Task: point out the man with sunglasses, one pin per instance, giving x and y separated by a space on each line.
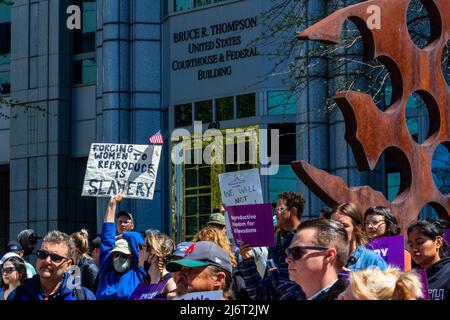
28 240
53 281
316 256
275 284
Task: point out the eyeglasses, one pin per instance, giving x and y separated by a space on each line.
42 254
120 255
374 223
299 251
7 270
280 209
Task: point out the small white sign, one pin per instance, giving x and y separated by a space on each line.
241 187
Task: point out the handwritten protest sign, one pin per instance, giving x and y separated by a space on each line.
391 249
240 187
128 167
252 224
201 295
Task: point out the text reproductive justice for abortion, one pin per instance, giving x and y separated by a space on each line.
115 167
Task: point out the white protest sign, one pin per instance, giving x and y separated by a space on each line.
128 167
241 187
201 295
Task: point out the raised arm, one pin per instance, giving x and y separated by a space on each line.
111 208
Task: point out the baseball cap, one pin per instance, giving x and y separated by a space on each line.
216 218
181 248
125 213
121 245
8 256
13 246
202 254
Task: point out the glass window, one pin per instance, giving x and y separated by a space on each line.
281 102
246 105
287 143
189 4
84 71
183 115
5 82
393 185
5 33
224 108
84 39
203 111
285 179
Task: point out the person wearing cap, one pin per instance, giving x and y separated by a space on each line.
124 222
119 270
14 246
28 240
53 281
205 267
12 273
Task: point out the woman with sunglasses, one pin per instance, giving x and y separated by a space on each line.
360 257
13 273
154 255
430 251
380 222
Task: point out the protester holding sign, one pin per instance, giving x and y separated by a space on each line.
390 284
119 272
381 222
153 256
276 285
205 267
360 257
430 251
316 256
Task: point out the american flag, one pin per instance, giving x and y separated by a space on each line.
157 138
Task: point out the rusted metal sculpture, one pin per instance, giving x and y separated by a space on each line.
370 131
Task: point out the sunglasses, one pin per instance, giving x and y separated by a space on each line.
298 252
120 255
42 254
7 270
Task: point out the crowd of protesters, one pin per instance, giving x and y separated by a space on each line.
327 258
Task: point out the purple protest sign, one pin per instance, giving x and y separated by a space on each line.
447 235
423 278
391 249
252 224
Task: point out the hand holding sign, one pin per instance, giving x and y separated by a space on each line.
246 251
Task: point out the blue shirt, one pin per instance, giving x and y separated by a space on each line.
364 258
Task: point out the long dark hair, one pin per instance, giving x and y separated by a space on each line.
432 229
392 228
351 210
19 265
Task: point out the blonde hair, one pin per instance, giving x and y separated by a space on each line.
81 241
162 246
210 233
390 284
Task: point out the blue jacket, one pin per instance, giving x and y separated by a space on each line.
275 285
31 291
111 284
363 258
